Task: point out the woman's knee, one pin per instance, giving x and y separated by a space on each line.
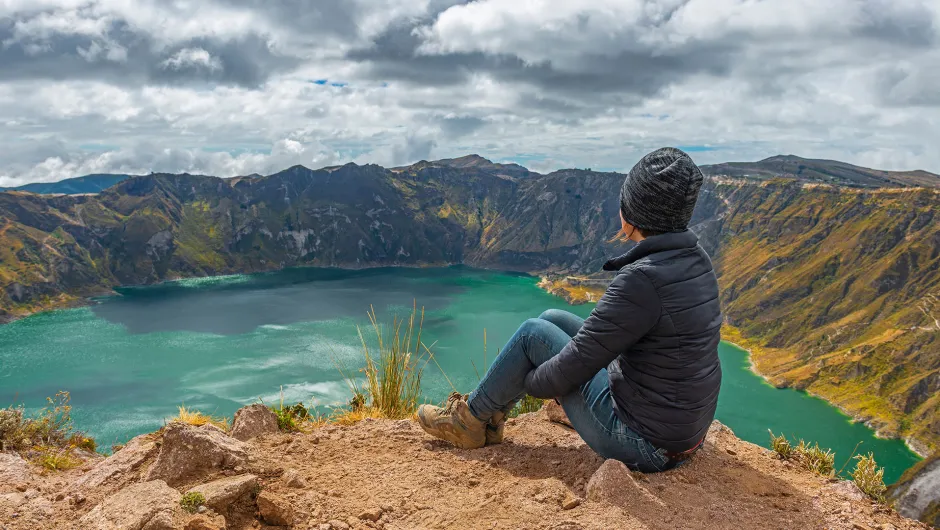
555 316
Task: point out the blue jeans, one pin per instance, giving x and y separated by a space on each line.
590 409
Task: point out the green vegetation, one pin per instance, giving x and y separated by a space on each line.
781 446
49 427
192 501
56 459
869 477
526 404
290 418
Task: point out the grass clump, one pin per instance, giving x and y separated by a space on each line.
198 419
393 368
816 459
781 445
869 477
56 459
192 501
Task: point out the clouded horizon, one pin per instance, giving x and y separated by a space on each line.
233 87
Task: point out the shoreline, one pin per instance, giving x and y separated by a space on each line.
855 418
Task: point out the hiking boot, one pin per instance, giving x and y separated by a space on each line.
454 423
495 428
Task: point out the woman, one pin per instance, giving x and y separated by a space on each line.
639 378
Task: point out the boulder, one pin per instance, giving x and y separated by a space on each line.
275 510
143 506
122 463
189 452
220 494
14 470
253 420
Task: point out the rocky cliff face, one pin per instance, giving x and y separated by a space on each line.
917 494
836 290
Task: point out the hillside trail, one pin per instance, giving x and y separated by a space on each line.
389 474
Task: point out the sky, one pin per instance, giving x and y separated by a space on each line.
235 87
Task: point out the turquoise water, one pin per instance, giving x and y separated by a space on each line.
217 344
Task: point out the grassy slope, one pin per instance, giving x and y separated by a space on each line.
840 290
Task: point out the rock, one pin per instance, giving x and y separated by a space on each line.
206 522
42 505
293 479
161 521
13 500
189 452
373 514
220 494
146 506
570 502
14 470
120 464
253 420
556 413
848 489
338 525
613 483
275 510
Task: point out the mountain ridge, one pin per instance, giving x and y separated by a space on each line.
771 167
835 290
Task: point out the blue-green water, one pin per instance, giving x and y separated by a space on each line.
217 344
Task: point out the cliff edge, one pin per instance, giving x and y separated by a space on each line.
388 474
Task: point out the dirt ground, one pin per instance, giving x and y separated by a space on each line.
390 475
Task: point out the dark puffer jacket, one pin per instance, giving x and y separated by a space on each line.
656 329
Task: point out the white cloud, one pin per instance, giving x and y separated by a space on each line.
230 87
192 57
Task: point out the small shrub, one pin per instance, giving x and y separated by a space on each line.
869 477
49 427
55 459
192 501
290 417
781 445
816 459
194 417
525 405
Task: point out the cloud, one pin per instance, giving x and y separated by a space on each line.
230 87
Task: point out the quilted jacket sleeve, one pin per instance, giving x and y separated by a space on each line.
628 310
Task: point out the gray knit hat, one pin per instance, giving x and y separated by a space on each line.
660 191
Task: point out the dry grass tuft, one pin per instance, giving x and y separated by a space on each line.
392 371
198 419
869 477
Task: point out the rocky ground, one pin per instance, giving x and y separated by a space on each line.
384 474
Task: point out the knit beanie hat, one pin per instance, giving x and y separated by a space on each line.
660 191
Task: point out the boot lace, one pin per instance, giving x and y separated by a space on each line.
452 400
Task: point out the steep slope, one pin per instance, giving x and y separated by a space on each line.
73 186
838 291
917 494
823 171
386 474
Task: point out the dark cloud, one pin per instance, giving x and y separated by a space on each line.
125 55
457 126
